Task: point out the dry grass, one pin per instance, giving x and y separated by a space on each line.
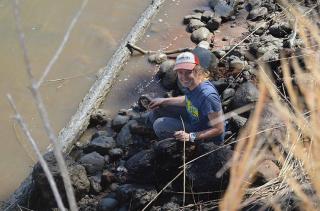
297 153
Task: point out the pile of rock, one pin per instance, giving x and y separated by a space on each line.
123 166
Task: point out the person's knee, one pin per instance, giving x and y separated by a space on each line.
158 126
161 129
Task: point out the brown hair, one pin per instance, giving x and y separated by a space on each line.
199 70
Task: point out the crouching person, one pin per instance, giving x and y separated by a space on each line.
200 108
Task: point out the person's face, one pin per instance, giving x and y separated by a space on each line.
187 78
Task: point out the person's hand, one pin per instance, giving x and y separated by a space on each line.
156 103
181 135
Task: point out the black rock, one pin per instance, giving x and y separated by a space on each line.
124 137
119 121
202 173
106 133
101 144
99 117
108 204
280 30
207 15
95 183
141 167
214 23
237 122
115 153
125 192
93 162
41 198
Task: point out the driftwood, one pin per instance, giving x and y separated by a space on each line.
144 52
91 102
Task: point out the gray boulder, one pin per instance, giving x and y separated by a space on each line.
246 93
93 162
188 18
119 121
195 24
157 58
223 10
200 34
236 63
258 14
168 75
228 93
270 119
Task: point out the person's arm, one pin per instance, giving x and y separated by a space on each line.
216 121
178 101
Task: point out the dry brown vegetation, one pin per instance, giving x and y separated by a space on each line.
297 153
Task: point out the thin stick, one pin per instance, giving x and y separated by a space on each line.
144 52
184 162
44 115
35 147
259 132
63 43
162 190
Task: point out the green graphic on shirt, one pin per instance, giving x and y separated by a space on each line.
192 109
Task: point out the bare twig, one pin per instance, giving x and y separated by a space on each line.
63 43
184 162
44 115
144 52
35 147
162 190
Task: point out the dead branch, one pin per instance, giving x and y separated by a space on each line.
35 147
144 52
43 113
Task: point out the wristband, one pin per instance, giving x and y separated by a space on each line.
192 137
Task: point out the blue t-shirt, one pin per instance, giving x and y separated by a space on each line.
201 101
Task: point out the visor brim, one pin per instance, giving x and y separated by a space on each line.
184 66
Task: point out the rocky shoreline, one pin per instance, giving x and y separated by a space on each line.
118 164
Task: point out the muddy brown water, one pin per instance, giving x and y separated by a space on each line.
92 42
95 37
